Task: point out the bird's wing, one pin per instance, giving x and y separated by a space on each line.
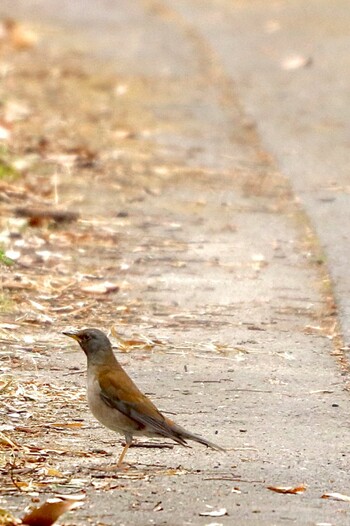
128 399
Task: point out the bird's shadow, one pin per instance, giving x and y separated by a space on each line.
152 445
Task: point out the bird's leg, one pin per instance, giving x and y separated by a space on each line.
128 441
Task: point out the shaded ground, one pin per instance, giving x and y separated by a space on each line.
210 267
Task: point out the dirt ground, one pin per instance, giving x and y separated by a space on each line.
189 249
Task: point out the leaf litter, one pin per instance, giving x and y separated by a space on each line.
65 264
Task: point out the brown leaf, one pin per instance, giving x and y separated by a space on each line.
66 424
288 489
52 509
336 496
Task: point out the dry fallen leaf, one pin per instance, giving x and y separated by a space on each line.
52 509
66 424
101 288
137 342
16 111
37 305
20 37
4 132
52 472
123 134
236 490
7 519
9 326
214 513
296 62
5 441
4 383
258 261
336 496
291 490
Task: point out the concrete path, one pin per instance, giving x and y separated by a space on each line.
228 269
302 114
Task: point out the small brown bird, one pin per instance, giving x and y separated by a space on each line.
115 400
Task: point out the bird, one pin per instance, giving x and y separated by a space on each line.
117 403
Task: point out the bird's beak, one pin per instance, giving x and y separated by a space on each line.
72 334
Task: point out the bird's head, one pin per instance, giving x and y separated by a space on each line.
94 343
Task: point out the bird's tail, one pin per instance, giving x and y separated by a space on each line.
186 435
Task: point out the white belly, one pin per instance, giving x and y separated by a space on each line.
105 414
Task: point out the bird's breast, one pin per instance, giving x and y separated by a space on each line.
106 415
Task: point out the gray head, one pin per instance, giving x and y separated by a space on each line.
94 343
